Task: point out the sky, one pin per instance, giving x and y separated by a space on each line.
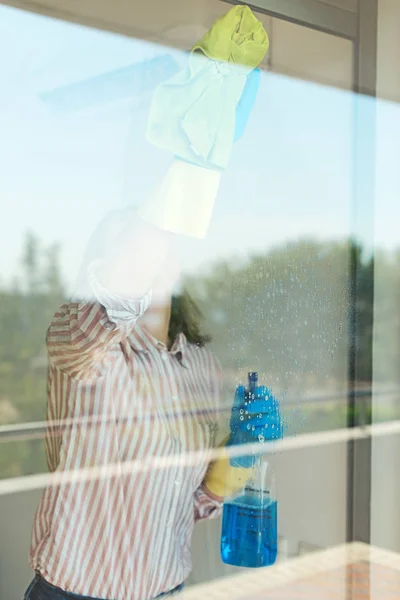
291 176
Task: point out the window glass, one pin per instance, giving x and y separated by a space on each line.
271 278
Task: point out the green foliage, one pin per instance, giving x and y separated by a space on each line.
285 314
25 313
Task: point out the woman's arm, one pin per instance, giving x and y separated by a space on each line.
134 259
128 269
117 291
81 333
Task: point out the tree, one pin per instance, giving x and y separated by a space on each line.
25 312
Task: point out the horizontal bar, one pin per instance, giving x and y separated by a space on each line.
118 16
309 13
309 440
37 429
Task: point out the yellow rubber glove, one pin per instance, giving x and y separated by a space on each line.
184 201
224 480
237 37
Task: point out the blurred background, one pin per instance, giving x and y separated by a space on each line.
298 278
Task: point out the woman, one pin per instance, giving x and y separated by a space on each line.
128 385
133 389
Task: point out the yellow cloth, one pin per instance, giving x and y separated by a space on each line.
238 37
224 480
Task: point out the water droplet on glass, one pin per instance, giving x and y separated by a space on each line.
253 428
242 418
241 411
261 438
248 426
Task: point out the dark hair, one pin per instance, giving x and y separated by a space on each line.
185 314
185 318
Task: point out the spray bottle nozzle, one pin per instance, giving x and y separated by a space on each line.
253 378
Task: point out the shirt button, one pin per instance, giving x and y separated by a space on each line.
164 356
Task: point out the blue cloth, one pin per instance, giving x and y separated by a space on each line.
40 589
246 102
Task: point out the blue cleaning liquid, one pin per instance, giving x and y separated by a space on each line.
249 532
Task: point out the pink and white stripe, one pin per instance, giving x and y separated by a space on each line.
124 397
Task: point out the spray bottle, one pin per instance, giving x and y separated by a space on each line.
249 524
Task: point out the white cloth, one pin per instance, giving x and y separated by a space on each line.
193 114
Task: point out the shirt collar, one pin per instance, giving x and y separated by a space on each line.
141 341
179 347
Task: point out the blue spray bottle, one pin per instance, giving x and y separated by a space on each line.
250 516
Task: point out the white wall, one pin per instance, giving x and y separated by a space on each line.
385 501
388 81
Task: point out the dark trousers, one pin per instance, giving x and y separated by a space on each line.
40 589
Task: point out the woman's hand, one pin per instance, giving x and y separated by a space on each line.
256 413
255 416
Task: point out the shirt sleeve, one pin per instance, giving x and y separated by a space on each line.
119 310
206 506
81 332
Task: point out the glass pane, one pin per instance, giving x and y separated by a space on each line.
271 278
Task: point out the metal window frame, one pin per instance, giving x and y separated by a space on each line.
359 467
309 13
360 27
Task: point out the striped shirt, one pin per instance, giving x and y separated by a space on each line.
125 414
